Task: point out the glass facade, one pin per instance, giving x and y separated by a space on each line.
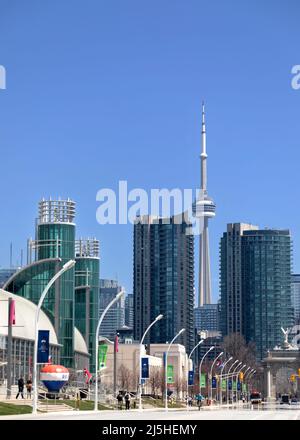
30 282
57 240
22 355
5 274
266 287
115 317
164 280
86 301
296 297
207 317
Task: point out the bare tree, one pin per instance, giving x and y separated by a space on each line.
155 380
125 377
162 384
180 385
235 345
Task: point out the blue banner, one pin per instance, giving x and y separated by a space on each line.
43 347
230 384
238 386
145 368
214 382
191 378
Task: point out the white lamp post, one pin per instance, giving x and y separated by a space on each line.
221 375
158 318
200 365
233 374
249 368
65 267
250 377
246 377
187 384
236 381
228 377
166 367
117 297
211 371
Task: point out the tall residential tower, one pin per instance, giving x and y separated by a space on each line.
163 280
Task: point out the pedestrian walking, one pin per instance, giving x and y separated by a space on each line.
127 400
120 400
29 387
20 387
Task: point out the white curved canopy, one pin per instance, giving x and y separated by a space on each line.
25 316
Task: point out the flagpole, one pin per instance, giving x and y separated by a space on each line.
9 348
115 363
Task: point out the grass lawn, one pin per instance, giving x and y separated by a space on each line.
159 403
85 405
7 409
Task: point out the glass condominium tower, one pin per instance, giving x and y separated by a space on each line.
163 280
255 284
266 286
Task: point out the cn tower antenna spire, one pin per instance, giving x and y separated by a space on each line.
203 155
205 208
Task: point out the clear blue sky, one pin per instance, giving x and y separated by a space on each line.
99 91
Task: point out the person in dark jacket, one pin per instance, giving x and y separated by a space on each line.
20 387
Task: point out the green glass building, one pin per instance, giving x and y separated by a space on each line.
266 287
87 274
53 246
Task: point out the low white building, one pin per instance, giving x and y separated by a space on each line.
127 361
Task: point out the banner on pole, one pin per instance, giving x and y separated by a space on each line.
145 368
223 384
102 355
214 382
238 386
191 378
244 387
203 380
234 385
170 374
230 384
43 347
12 312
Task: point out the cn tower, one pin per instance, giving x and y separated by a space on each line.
205 208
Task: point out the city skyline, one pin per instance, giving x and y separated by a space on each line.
70 110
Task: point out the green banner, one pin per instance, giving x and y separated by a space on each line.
244 387
234 385
170 374
223 384
203 380
102 354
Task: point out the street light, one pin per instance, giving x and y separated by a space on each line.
166 367
211 371
233 374
187 384
251 375
65 267
228 376
158 318
201 362
220 391
236 381
249 368
117 297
